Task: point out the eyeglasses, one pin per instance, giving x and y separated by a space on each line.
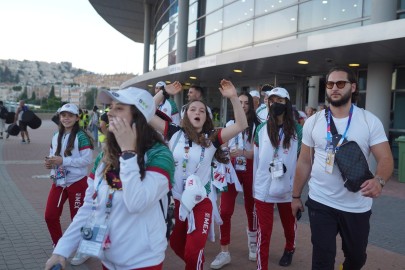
339 84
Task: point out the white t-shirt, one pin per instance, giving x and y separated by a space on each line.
367 130
169 108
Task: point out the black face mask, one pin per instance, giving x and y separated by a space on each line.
278 108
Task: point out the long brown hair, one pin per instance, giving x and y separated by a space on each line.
71 141
208 127
288 126
145 139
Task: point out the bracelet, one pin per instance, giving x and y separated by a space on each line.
296 197
165 94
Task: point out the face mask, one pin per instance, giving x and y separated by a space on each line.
278 108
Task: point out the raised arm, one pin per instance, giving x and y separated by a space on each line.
172 89
228 90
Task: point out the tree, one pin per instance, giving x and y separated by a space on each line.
91 96
33 96
24 94
52 93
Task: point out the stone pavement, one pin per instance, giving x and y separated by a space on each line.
25 242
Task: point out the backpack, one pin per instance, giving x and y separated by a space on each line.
169 217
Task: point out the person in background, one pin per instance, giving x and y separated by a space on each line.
121 221
194 145
277 145
83 119
256 99
168 108
332 208
262 111
241 152
103 123
93 125
69 156
23 126
195 92
3 116
309 111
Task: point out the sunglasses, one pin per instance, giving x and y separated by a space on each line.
339 84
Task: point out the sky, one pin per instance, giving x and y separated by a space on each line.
65 31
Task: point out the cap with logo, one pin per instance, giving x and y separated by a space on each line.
278 91
140 98
69 107
194 192
160 84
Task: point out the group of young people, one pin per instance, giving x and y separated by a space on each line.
121 219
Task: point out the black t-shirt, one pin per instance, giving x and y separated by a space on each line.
104 117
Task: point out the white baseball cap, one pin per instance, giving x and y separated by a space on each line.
69 107
160 84
278 91
140 98
193 193
254 93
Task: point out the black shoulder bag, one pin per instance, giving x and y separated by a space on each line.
351 161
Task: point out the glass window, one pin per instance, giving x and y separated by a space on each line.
366 8
266 6
319 13
213 5
193 12
162 50
162 63
210 44
400 83
401 4
238 36
172 57
237 12
275 25
330 29
172 43
162 35
213 22
191 50
192 32
362 81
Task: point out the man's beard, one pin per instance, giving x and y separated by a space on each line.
342 101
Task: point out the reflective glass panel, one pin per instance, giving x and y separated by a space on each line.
320 13
266 6
276 24
238 36
238 12
191 50
213 5
162 35
162 50
193 13
192 32
212 43
213 22
162 63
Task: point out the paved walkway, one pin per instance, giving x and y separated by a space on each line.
25 242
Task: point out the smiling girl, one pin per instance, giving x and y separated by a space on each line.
70 153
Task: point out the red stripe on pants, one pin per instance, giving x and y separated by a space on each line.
75 194
190 247
265 212
155 267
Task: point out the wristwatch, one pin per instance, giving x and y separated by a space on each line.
380 180
127 155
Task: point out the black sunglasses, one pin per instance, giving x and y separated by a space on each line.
339 84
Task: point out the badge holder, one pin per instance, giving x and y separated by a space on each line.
330 160
240 163
58 176
276 168
93 240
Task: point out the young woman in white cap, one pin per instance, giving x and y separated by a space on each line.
121 221
194 145
70 154
241 151
277 144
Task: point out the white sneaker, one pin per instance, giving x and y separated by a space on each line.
252 251
79 258
222 259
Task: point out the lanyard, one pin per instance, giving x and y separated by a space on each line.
328 131
186 157
280 138
243 140
108 204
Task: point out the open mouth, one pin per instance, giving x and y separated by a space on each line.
197 119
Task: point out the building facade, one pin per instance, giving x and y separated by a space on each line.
289 43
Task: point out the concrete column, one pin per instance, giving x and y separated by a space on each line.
146 37
182 31
378 96
382 11
313 91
